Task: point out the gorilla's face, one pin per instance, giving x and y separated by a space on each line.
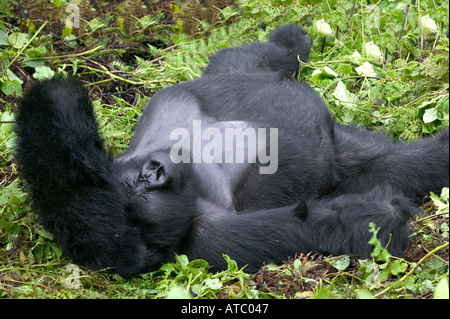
156 173
156 190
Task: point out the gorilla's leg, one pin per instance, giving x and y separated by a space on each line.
279 54
67 170
336 225
365 160
340 224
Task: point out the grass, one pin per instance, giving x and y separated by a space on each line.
125 52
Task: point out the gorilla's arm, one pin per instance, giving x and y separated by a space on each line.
338 225
68 174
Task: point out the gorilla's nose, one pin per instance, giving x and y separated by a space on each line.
156 172
152 172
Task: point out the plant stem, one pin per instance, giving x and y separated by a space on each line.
421 261
24 47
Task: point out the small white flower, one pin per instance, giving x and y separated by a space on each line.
323 73
343 95
356 58
428 24
324 28
366 69
373 53
328 71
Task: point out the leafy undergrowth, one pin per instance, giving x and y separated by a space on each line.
125 51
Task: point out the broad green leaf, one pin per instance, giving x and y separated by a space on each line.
10 87
430 115
428 24
18 40
366 69
441 290
3 38
363 294
182 260
178 293
12 77
342 94
373 53
397 267
342 263
43 72
213 283
324 28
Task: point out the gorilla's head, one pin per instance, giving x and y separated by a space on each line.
159 198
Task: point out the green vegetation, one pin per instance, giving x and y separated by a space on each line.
126 51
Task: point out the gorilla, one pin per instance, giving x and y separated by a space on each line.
244 161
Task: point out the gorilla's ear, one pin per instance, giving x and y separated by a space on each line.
301 210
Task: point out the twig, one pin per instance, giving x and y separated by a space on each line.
351 77
430 217
323 43
115 77
426 94
422 36
351 13
74 55
10 179
401 31
99 82
405 18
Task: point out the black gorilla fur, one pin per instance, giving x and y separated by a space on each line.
331 182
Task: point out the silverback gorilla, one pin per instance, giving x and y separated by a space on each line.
243 161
